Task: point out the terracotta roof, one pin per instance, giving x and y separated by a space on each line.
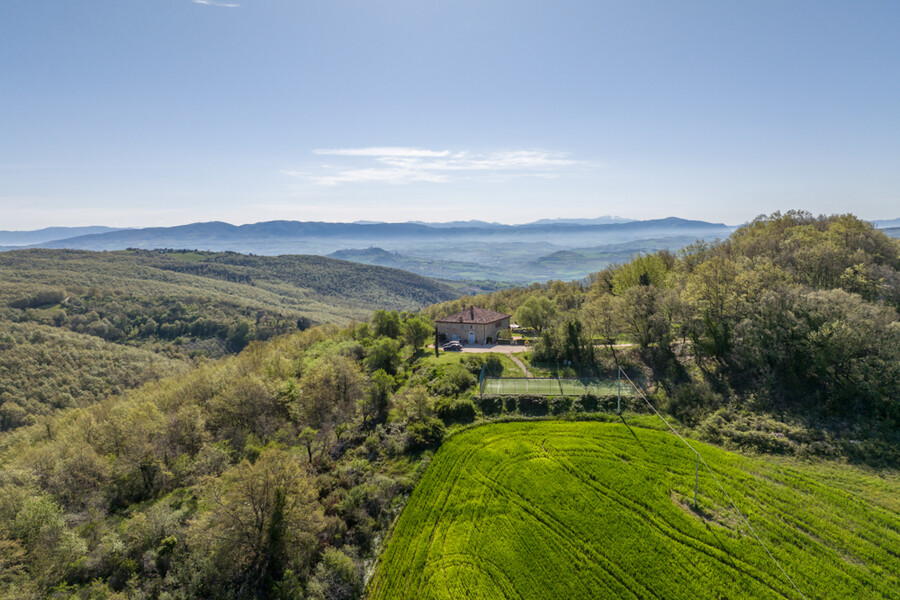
473 315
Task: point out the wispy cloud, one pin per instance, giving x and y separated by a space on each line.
401 165
214 3
384 151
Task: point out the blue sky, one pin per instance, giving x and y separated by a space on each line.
162 112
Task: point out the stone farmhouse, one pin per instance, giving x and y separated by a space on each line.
472 325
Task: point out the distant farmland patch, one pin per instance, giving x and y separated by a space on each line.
600 510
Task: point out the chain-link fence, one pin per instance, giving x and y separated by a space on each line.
551 386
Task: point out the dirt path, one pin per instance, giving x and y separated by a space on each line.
521 365
499 348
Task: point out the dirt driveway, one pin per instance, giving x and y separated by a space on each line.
500 348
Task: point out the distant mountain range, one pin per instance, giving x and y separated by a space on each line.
279 236
605 220
456 250
597 221
461 250
887 223
38 236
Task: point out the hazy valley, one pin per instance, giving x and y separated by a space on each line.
458 251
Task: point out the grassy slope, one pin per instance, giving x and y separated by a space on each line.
593 510
510 369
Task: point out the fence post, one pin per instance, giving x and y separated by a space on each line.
481 381
559 380
619 401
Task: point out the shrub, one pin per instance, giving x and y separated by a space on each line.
424 433
474 362
532 405
39 299
455 380
337 577
490 405
587 404
690 402
560 405
460 410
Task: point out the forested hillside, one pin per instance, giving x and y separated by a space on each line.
783 337
77 326
271 474
44 369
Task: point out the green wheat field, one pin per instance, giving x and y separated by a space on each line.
603 510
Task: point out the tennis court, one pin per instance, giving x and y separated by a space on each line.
547 386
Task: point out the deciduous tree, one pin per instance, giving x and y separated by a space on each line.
261 519
602 315
536 312
416 330
330 389
386 323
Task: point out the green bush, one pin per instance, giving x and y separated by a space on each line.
454 380
460 410
474 362
587 404
490 405
532 405
560 405
425 433
690 402
39 299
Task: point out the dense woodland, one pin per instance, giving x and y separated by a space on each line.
77 326
276 473
44 369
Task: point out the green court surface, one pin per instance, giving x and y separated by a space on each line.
553 387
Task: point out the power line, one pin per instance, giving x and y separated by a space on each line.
716 479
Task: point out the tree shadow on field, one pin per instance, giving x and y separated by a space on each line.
726 553
715 525
633 434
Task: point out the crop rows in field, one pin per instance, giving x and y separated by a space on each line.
594 510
